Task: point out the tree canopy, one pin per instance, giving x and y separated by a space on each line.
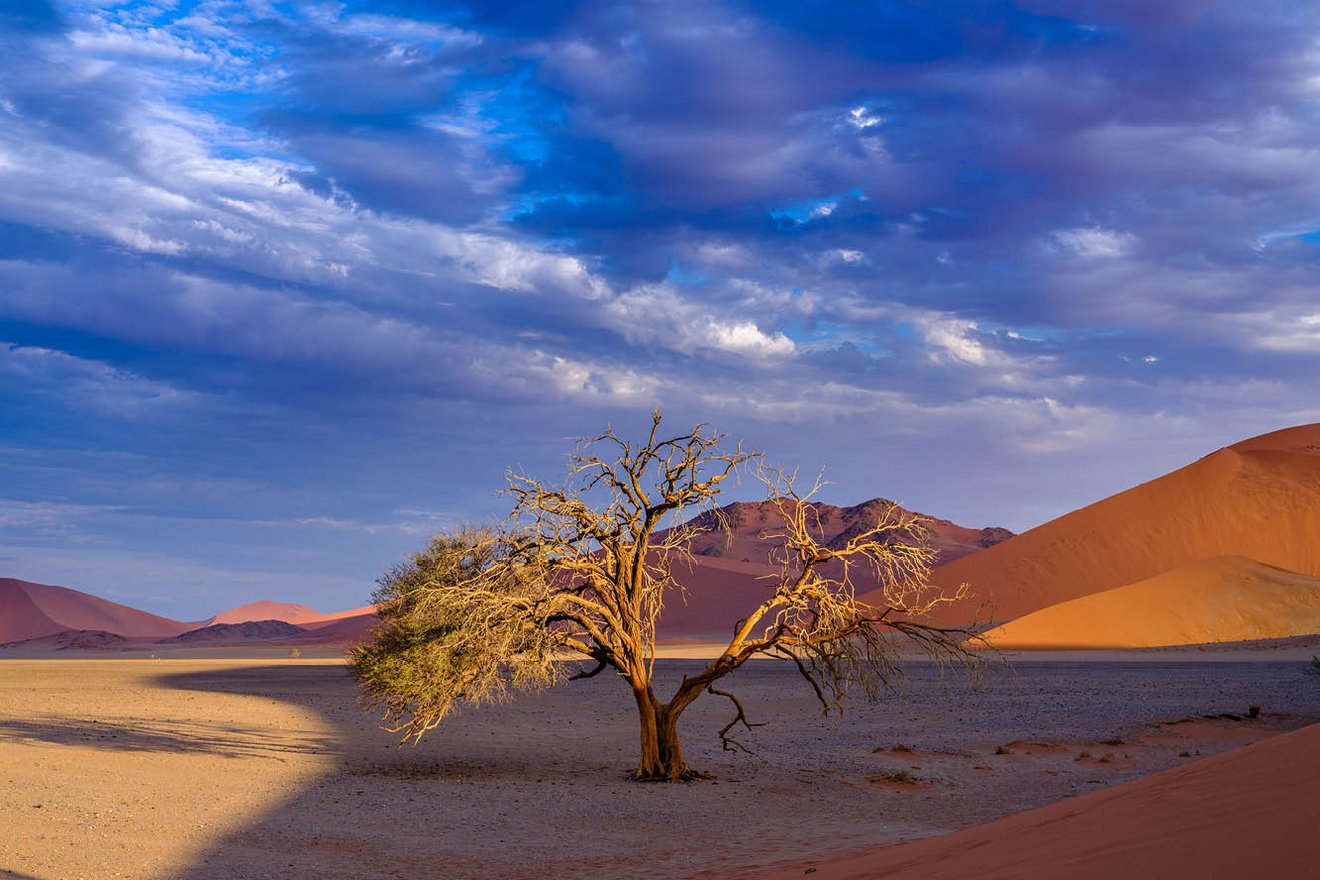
583 569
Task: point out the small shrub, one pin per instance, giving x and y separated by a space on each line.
1082 756
1002 750
1184 754
900 777
294 653
1253 711
1106 758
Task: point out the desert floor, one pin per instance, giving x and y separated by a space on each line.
270 768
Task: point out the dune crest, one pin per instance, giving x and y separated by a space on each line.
32 611
1225 598
1259 498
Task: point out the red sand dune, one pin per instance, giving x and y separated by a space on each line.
718 592
30 611
1222 599
344 627
1245 813
1259 498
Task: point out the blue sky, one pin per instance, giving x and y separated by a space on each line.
286 286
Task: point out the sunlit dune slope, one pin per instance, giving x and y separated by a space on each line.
265 609
29 611
1259 498
1246 813
1225 598
289 612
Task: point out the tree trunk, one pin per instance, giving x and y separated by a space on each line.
662 756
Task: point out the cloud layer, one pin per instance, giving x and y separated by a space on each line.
276 277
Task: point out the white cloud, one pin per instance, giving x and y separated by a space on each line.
952 339
1092 242
659 314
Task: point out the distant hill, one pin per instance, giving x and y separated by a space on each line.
728 576
248 630
1259 499
29 611
73 639
751 523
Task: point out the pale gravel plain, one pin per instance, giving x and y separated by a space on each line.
271 769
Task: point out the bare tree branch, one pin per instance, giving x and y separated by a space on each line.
731 744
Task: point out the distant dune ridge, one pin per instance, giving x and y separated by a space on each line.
1258 499
265 609
1224 549
62 618
31 611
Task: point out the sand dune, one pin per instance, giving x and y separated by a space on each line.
265 609
1222 599
289 612
1245 813
30 611
1259 498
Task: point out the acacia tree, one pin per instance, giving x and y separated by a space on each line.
584 569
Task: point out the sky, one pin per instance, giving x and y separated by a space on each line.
286 287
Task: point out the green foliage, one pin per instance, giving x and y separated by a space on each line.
460 623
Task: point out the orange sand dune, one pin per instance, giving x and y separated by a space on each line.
1245 813
289 612
1222 599
30 611
265 609
1259 498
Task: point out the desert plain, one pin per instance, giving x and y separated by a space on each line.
269 768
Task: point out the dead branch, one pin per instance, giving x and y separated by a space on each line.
731 744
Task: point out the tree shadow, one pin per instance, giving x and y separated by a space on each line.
223 740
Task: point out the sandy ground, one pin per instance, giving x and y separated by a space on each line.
269 769
1248 812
